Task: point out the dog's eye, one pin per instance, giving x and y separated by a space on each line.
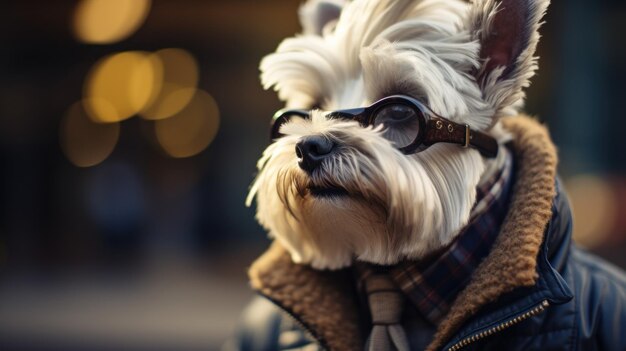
394 114
400 124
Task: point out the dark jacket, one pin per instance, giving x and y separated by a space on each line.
535 291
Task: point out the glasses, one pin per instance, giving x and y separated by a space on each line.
405 122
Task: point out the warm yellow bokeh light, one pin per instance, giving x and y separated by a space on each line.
180 78
594 208
84 142
191 130
121 85
108 21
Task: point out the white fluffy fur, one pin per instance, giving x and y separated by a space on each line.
399 206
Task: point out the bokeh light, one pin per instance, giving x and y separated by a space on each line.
191 130
180 78
108 21
594 207
84 142
120 85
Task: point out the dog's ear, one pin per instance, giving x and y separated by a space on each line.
315 15
507 31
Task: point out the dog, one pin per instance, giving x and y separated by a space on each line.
396 112
390 206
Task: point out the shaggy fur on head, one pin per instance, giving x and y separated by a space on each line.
441 52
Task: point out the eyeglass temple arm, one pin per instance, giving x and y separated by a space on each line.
439 130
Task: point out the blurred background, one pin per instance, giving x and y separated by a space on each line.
129 132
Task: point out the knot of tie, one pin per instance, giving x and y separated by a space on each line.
386 305
386 302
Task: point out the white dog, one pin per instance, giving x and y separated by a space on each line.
384 179
391 205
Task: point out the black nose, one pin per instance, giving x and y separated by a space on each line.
312 150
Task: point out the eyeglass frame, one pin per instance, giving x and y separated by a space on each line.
431 128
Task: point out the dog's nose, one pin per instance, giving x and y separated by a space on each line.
312 150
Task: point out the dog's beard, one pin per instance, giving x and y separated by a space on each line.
367 201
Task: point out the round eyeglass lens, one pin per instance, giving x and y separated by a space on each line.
399 123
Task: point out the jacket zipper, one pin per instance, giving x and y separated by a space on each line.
500 327
297 320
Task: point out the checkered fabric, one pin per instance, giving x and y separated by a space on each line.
433 284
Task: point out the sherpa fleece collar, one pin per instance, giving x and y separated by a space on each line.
324 301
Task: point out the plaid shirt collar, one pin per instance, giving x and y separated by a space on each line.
433 284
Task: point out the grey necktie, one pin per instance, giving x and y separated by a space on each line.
386 304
